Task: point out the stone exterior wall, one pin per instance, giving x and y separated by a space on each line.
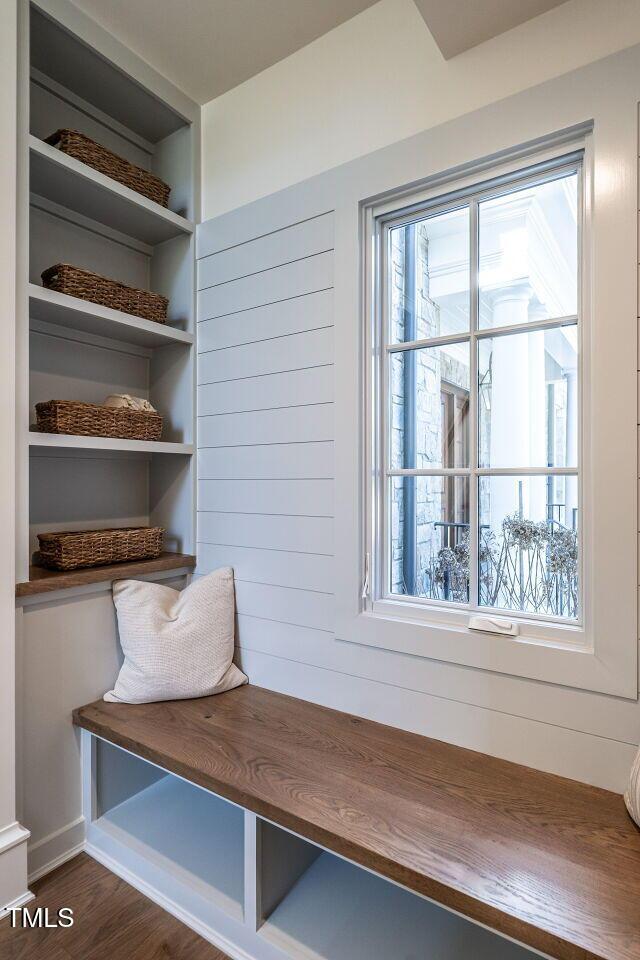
432 367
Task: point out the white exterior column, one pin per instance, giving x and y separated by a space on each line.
517 404
571 483
13 837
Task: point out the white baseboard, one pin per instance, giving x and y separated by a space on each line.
207 933
15 904
56 848
14 889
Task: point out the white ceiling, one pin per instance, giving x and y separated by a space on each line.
209 46
457 25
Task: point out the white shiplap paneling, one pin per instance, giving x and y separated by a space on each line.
264 253
311 498
266 421
282 425
303 608
295 352
310 312
312 385
277 532
289 280
280 461
280 568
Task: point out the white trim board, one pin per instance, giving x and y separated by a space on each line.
52 851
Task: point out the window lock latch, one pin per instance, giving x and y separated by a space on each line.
494 625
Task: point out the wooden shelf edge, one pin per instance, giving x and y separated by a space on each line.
47 581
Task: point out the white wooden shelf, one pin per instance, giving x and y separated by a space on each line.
65 441
74 185
133 100
48 306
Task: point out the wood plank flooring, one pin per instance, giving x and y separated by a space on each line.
112 921
550 862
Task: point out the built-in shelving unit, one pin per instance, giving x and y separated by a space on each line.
73 74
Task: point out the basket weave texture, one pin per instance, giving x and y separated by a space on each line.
94 420
76 282
67 550
82 148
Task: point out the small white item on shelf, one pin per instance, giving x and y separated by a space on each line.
131 403
177 644
632 793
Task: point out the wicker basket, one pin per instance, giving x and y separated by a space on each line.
75 282
93 420
82 148
94 548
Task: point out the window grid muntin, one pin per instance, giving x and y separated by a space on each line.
471 198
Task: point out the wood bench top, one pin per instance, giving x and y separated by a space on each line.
550 862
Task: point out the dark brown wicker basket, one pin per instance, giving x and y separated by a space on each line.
93 420
82 148
66 550
76 282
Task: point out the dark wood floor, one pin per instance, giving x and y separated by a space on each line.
112 921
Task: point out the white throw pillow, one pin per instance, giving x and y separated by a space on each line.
177 644
632 793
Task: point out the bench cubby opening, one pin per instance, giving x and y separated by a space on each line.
332 909
184 841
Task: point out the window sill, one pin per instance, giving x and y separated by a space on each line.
573 663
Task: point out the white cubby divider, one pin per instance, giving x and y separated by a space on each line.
74 74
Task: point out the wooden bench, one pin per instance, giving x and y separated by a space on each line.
550 863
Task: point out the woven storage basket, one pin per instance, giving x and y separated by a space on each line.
93 420
82 148
93 548
75 282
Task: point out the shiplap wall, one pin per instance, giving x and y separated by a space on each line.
265 422
266 457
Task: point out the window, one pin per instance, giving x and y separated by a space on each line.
477 400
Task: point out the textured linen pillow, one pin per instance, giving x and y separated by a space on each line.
177 644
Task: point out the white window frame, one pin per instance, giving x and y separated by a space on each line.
602 654
380 221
